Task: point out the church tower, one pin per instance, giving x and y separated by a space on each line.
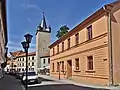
42 44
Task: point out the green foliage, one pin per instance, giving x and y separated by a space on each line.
62 31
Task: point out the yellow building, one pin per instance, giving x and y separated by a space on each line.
84 54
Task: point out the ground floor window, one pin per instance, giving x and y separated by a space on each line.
58 66
90 62
77 63
53 67
62 65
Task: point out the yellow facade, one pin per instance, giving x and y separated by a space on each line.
97 48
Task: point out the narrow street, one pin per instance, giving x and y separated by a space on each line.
60 87
10 83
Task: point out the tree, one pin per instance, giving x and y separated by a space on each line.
62 31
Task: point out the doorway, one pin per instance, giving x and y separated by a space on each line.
69 69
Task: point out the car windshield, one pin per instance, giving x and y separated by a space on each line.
30 73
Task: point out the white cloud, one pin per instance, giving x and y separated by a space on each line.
29 20
31 6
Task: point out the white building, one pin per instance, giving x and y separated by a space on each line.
21 62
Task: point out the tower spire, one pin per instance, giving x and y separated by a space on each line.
43 23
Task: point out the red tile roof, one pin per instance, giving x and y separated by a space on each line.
29 54
16 53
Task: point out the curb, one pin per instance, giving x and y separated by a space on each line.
83 85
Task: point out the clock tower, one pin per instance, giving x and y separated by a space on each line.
42 44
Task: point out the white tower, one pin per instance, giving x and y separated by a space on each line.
42 42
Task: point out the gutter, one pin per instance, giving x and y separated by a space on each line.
108 9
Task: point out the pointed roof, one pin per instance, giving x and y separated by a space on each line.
43 23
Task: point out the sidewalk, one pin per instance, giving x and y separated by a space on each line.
66 81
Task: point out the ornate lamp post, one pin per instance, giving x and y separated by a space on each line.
25 45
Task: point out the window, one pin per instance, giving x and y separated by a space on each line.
76 38
62 65
57 48
68 43
22 69
62 46
48 60
18 59
29 58
22 64
32 69
53 67
23 59
44 61
90 62
57 66
32 63
29 64
53 51
32 58
77 63
89 30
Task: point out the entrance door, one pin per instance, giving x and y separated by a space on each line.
69 69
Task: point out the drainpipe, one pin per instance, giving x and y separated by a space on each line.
111 83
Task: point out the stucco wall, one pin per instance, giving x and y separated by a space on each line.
97 47
116 43
42 49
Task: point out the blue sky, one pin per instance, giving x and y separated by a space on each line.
24 16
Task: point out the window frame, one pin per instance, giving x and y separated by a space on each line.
77 63
68 45
53 51
90 63
32 57
63 66
58 66
33 64
89 32
76 38
57 49
44 61
53 67
62 46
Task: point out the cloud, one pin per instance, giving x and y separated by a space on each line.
31 6
29 20
14 46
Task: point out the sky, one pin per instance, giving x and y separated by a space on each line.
23 16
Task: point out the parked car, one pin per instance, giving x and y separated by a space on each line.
32 77
19 75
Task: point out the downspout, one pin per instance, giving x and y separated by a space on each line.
111 82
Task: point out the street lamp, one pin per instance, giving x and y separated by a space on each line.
59 69
6 51
25 45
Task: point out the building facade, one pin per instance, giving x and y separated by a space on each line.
21 62
3 33
89 53
42 45
13 56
